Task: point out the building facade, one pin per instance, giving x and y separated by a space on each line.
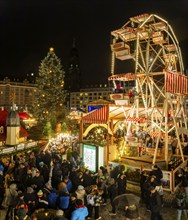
21 93
79 100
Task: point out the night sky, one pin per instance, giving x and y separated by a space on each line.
28 28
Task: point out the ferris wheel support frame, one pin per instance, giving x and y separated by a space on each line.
143 70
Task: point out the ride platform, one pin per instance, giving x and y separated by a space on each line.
144 161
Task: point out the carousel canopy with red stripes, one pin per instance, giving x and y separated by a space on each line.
99 116
176 83
123 77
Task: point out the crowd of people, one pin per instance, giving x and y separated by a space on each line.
44 181
56 185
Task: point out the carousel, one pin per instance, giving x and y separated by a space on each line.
153 107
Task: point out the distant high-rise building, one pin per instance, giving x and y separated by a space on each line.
73 76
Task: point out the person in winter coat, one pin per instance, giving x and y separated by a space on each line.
37 181
94 200
63 197
44 171
121 184
81 193
72 205
184 180
10 196
101 183
21 176
156 171
88 180
68 183
47 158
56 176
182 206
81 212
143 178
21 214
28 178
155 204
52 199
150 182
21 208
112 193
30 199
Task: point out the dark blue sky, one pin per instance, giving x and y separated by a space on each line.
29 27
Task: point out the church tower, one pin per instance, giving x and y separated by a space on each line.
73 76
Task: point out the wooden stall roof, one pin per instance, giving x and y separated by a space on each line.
110 112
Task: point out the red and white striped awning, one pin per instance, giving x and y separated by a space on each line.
176 83
99 116
123 77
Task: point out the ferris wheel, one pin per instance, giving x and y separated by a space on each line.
158 72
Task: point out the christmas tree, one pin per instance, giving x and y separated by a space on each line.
49 101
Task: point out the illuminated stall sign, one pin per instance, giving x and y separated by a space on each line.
90 157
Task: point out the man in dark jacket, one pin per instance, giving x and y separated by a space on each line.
37 181
155 204
156 171
72 205
112 193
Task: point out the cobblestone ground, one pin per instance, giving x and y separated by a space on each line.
168 211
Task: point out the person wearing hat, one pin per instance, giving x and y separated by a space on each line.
30 199
60 215
155 204
81 212
44 171
81 193
42 200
